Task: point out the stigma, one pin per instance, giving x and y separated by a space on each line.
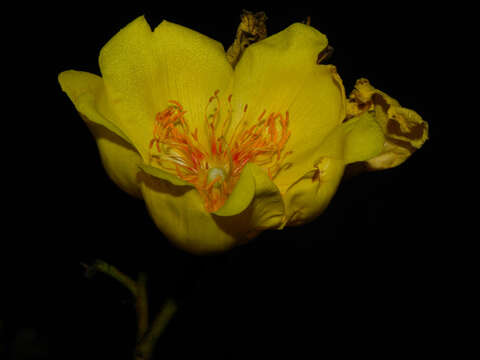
214 164
216 176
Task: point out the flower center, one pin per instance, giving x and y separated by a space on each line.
216 176
214 166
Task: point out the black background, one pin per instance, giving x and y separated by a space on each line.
368 277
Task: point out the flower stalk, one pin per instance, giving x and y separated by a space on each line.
112 271
147 335
141 305
146 345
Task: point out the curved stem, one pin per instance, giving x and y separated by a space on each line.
146 337
112 271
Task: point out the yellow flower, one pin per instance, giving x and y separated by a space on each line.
221 153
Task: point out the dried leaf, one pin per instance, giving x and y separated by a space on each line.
252 28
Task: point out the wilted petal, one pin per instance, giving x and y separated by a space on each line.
404 130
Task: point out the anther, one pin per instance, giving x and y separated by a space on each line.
179 150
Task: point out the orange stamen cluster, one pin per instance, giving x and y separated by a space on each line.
215 167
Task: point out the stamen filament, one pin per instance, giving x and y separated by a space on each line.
180 151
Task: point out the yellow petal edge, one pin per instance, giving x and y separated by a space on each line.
118 156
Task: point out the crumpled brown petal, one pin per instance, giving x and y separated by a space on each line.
252 28
405 131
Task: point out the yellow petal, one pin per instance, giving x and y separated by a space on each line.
179 213
363 138
310 194
118 156
160 174
280 74
193 67
267 209
85 91
241 196
258 197
308 197
358 139
143 70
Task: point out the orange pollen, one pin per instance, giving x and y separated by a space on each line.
214 164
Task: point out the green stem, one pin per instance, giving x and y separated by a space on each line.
146 346
142 306
112 271
146 337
